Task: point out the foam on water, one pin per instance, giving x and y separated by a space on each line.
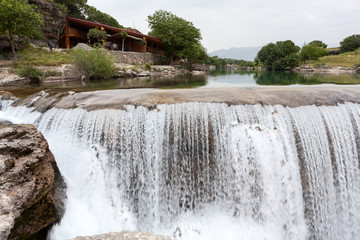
206 171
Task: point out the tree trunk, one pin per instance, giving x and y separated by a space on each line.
123 43
12 45
172 59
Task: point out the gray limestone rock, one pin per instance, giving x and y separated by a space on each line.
144 74
31 186
124 235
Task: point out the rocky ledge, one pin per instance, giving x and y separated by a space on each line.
124 235
31 186
327 69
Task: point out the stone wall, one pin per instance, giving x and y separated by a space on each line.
137 58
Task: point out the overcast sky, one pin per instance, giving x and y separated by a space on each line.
250 23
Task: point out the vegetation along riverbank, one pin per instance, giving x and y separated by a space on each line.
31 52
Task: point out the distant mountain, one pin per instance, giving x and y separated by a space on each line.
245 53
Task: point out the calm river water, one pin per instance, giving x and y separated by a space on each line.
216 79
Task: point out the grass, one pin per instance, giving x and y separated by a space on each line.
348 59
30 72
40 57
342 79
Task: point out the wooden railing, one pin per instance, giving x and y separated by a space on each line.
73 32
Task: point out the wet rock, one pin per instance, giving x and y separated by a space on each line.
134 74
31 186
144 74
128 73
120 73
124 235
290 96
7 77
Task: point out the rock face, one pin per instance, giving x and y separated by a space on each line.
31 186
124 235
54 20
54 23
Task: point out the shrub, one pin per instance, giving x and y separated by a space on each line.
31 72
312 51
147 67
93 63
52 74
98 34
350 43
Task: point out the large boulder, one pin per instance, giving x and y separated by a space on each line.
31 187
124 235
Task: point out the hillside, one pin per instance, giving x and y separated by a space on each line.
245 53
348 59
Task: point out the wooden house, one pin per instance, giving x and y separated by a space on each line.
76 30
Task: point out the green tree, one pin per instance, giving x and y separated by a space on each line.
177 34
350 43
279 56
80 9
75 8
195 54
94 15
18 18
318 43
123 36
313 51
98 34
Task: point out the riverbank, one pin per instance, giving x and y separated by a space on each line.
328 69
65 72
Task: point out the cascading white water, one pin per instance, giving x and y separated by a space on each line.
206 171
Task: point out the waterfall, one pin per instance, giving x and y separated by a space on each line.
206 170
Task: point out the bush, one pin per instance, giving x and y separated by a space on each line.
52 74
312 51
31 72
98 34
350 44
279 56
148 67
93 64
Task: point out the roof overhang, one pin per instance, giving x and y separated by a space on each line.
130 32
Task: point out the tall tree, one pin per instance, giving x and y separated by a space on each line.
94 15
75 8
18 18
177 34
80 9
279 56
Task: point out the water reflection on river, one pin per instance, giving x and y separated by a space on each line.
216 79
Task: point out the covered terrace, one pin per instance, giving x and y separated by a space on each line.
76 30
